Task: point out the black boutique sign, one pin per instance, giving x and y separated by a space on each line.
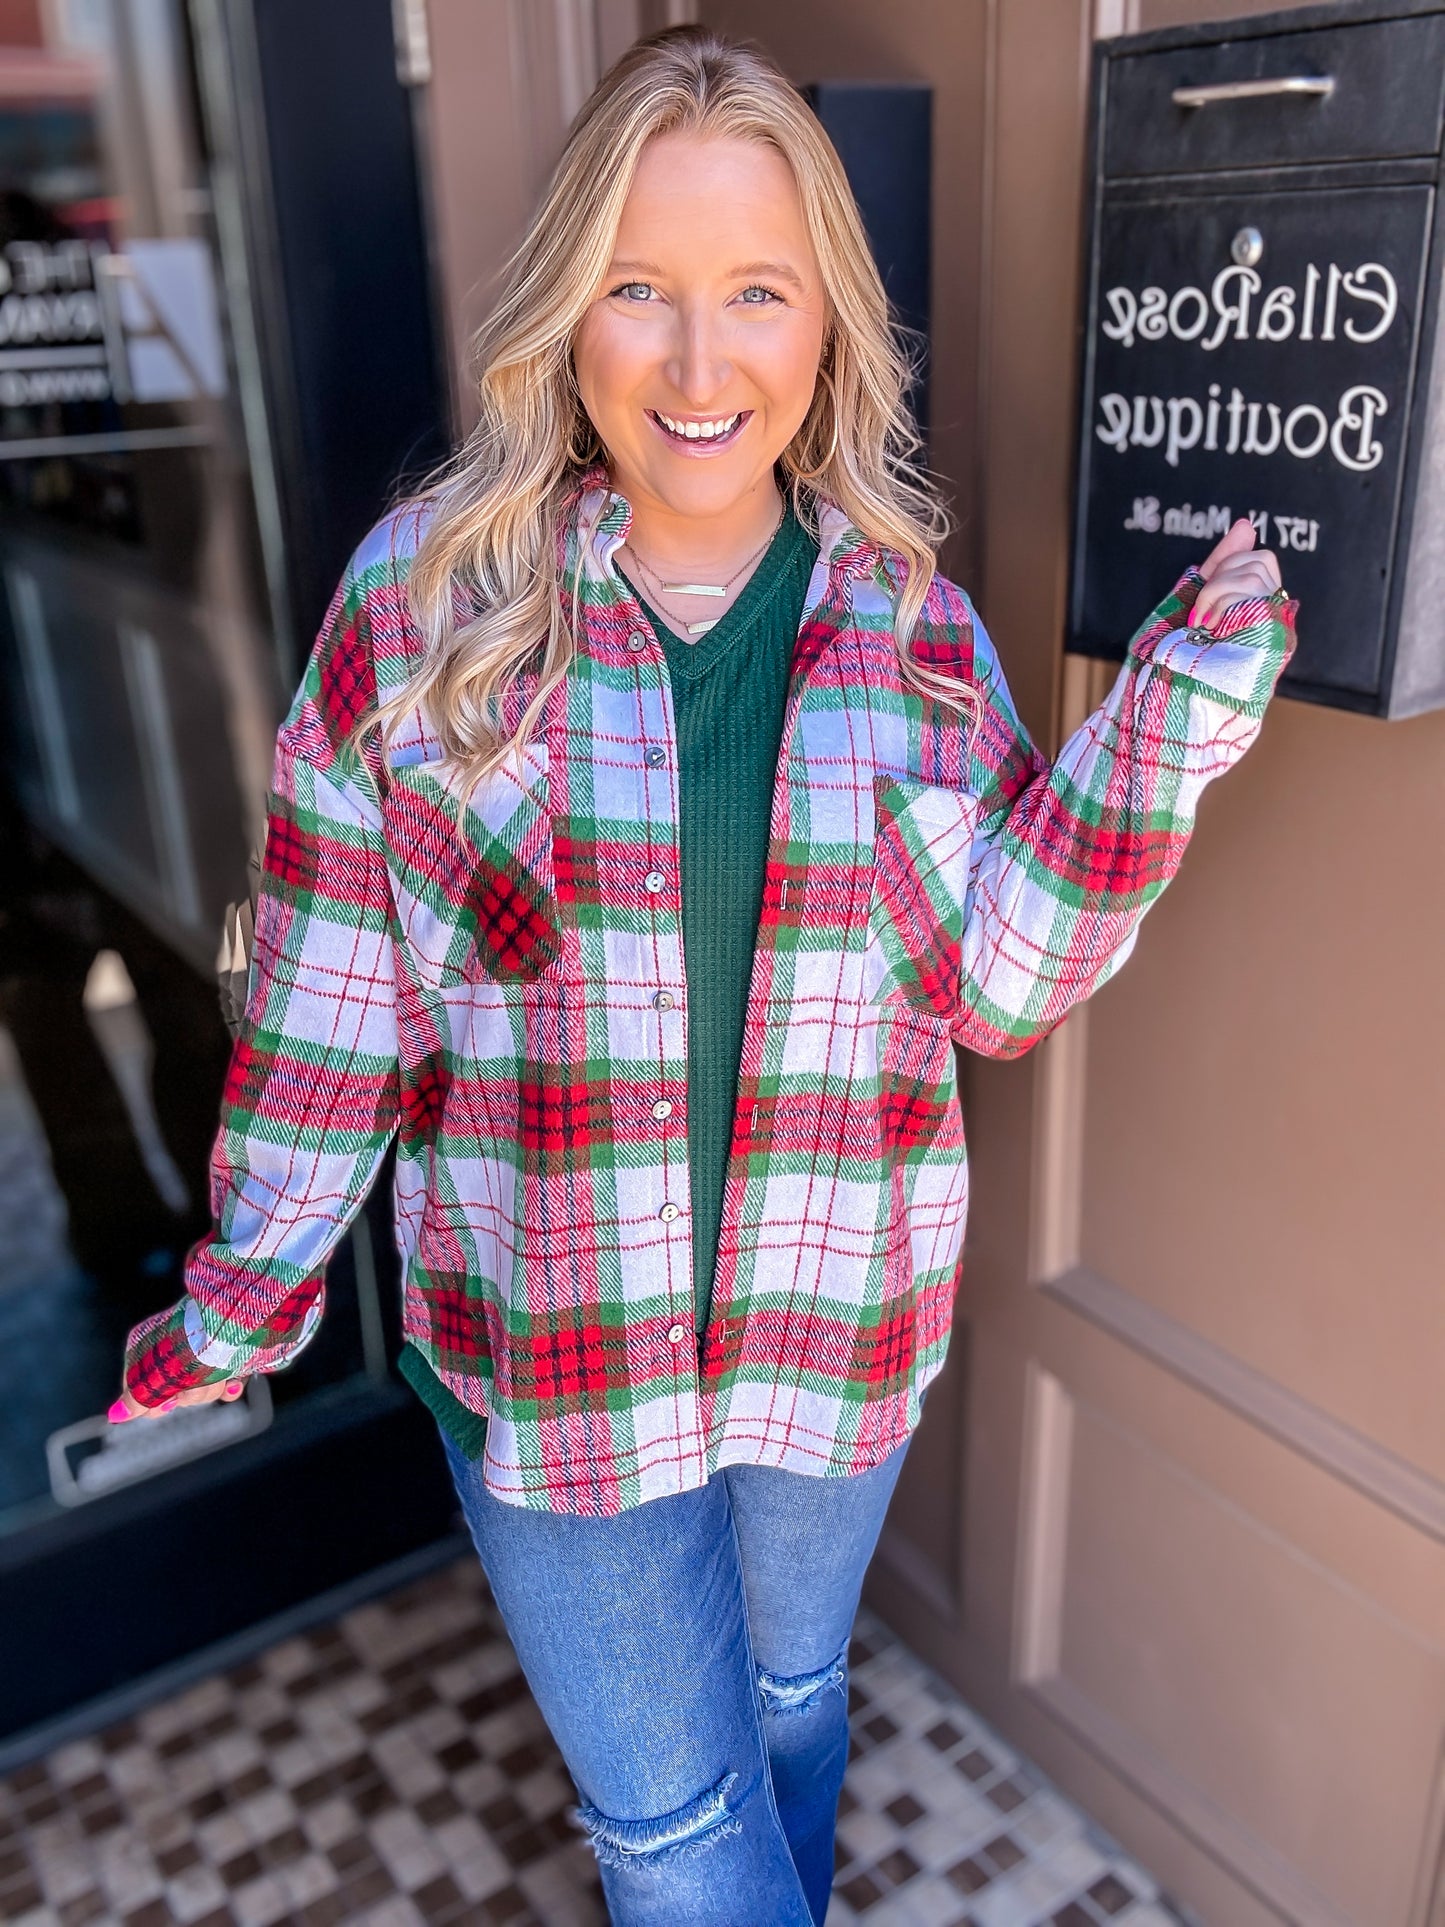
1256 336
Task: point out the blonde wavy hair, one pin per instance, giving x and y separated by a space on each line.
483 585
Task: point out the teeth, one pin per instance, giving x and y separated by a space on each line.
699 431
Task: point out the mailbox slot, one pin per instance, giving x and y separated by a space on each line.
1385 100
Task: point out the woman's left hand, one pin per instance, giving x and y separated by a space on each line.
1234 571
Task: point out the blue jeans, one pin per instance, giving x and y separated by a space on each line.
690 1656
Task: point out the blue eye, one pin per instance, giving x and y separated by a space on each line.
625 285
758 288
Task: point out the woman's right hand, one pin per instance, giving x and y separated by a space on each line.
126 1407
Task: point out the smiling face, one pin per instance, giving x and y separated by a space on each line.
711 316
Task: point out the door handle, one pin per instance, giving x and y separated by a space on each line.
1320 86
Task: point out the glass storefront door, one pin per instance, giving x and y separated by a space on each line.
147 650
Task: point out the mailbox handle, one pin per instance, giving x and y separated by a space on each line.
1320 86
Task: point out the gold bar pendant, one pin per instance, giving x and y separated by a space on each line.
693 588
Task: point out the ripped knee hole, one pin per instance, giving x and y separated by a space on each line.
697 1824
804 1692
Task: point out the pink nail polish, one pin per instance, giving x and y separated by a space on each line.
117 1413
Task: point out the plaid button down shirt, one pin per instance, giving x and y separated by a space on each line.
512 1006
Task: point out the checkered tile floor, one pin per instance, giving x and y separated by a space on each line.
391 1769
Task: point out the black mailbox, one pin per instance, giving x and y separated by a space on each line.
1259 322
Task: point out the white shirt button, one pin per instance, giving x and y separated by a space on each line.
654 756
653 881
637 640
662 1108
676 1334
668 1213
662 1000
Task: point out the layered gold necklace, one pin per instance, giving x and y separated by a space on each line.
660 588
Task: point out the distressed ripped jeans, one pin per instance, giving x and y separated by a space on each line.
690 1656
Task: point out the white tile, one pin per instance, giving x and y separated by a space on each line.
482 1872
1075 1859
260 1902
194 1892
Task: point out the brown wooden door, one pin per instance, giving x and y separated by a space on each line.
1176 1522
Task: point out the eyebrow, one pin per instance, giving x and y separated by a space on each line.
779 270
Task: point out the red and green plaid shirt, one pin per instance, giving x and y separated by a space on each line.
511 1006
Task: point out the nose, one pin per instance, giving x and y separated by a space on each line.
698 365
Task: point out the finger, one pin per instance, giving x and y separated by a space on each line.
1240 583
1237 539
126 1407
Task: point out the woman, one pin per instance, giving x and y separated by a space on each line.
651 825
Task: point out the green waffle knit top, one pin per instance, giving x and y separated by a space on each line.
729 687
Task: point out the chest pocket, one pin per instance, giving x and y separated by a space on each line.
474 885
922 847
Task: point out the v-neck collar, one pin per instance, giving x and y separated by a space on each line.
692 657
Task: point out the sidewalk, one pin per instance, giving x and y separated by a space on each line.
391 1769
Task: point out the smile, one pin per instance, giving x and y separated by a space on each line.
699 437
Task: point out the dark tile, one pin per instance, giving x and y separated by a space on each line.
1007 1795
14 1860
1074 1916
905 1810
90 1788
974 1765
115 1738
278 1732
26 1777
438 1806
861 1892
155 1913
249 1673
327 1910
206 1804
175 1746
174 1860
103 1819
943 1736
439 1899
523 1845
842 1856
1110 1894
353 1855
282 1848
372 1798
491 1699
501 1813
559 1827
254 1780
525 1759
241 1867
82 1910
847 1802
365 1890
41 1806
899 1866
505 1908
880 1728
459 1753
1004 1852
19 1900
969 1877
310 1793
